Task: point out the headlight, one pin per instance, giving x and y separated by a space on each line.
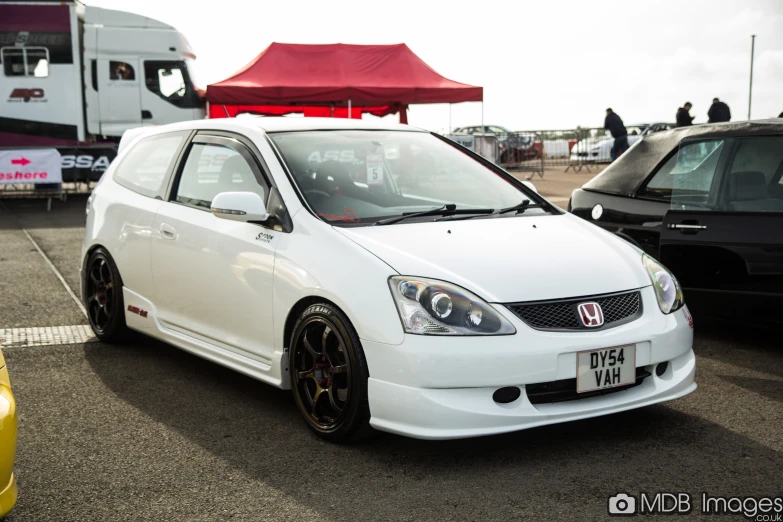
430 307
667 289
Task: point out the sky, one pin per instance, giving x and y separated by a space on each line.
543 64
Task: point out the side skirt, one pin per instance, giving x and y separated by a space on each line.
141 315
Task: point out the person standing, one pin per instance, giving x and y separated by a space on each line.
684 118
615 125
718 112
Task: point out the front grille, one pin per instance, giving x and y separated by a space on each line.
565 389
562 314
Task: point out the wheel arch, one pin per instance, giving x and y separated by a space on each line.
288 329
297 309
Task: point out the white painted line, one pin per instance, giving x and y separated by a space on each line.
57 273
45 336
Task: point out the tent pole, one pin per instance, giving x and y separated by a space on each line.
349 108
448 131
482 115
226 111
207 109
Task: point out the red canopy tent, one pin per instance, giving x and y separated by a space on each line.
338 80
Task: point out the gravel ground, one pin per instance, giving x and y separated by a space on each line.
147 432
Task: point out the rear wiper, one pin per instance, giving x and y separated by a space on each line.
444 210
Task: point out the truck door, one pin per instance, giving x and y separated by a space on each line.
119 80
723 237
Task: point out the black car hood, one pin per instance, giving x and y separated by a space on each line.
625 175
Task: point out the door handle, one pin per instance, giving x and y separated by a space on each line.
683 226
167 231
146 115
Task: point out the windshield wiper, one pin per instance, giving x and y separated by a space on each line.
519 208
479 212
444 210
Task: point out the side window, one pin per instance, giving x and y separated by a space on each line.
25 61
754 180
212 168
685 179
144 168
121 71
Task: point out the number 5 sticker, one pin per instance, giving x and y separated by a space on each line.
374 169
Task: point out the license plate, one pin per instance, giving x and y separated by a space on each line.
606 368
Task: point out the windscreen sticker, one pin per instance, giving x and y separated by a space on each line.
374 169
349 215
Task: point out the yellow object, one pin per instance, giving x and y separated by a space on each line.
8 423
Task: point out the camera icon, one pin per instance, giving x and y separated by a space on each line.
622 504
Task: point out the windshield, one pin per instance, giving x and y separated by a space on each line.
359 177
195 74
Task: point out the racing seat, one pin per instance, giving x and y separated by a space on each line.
747 192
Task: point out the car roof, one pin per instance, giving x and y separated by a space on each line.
280 124
271 124
625 175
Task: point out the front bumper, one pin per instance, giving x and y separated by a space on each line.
441 387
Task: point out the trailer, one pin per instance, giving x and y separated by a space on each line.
74 79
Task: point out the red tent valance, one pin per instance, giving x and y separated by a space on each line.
376 78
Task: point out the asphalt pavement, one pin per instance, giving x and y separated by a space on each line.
147 432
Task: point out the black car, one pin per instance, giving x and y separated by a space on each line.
707 201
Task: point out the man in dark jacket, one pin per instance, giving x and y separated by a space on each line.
616 127
684 117
718 112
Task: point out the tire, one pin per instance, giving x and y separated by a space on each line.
103 298
329 374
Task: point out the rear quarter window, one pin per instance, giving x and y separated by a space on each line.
147 165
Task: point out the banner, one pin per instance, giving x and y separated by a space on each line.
86 164
24 166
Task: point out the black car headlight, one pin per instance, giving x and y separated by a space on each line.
431 307
667 289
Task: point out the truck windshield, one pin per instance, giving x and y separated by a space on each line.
171 81
195 74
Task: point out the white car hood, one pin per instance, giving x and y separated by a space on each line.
512 259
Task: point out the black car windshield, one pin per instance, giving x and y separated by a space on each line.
357 177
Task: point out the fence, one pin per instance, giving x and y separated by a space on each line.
533 151
574 149
519 152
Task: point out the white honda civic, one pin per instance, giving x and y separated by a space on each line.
390 278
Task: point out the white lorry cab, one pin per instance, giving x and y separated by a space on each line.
75 77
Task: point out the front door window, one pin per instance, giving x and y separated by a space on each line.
686 179
755 178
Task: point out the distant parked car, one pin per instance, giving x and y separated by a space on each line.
708 202
598 149
515 147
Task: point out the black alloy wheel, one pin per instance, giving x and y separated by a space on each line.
329 374
103 298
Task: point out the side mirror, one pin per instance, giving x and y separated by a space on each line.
530 186
240 206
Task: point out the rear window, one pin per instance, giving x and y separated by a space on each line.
145 167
